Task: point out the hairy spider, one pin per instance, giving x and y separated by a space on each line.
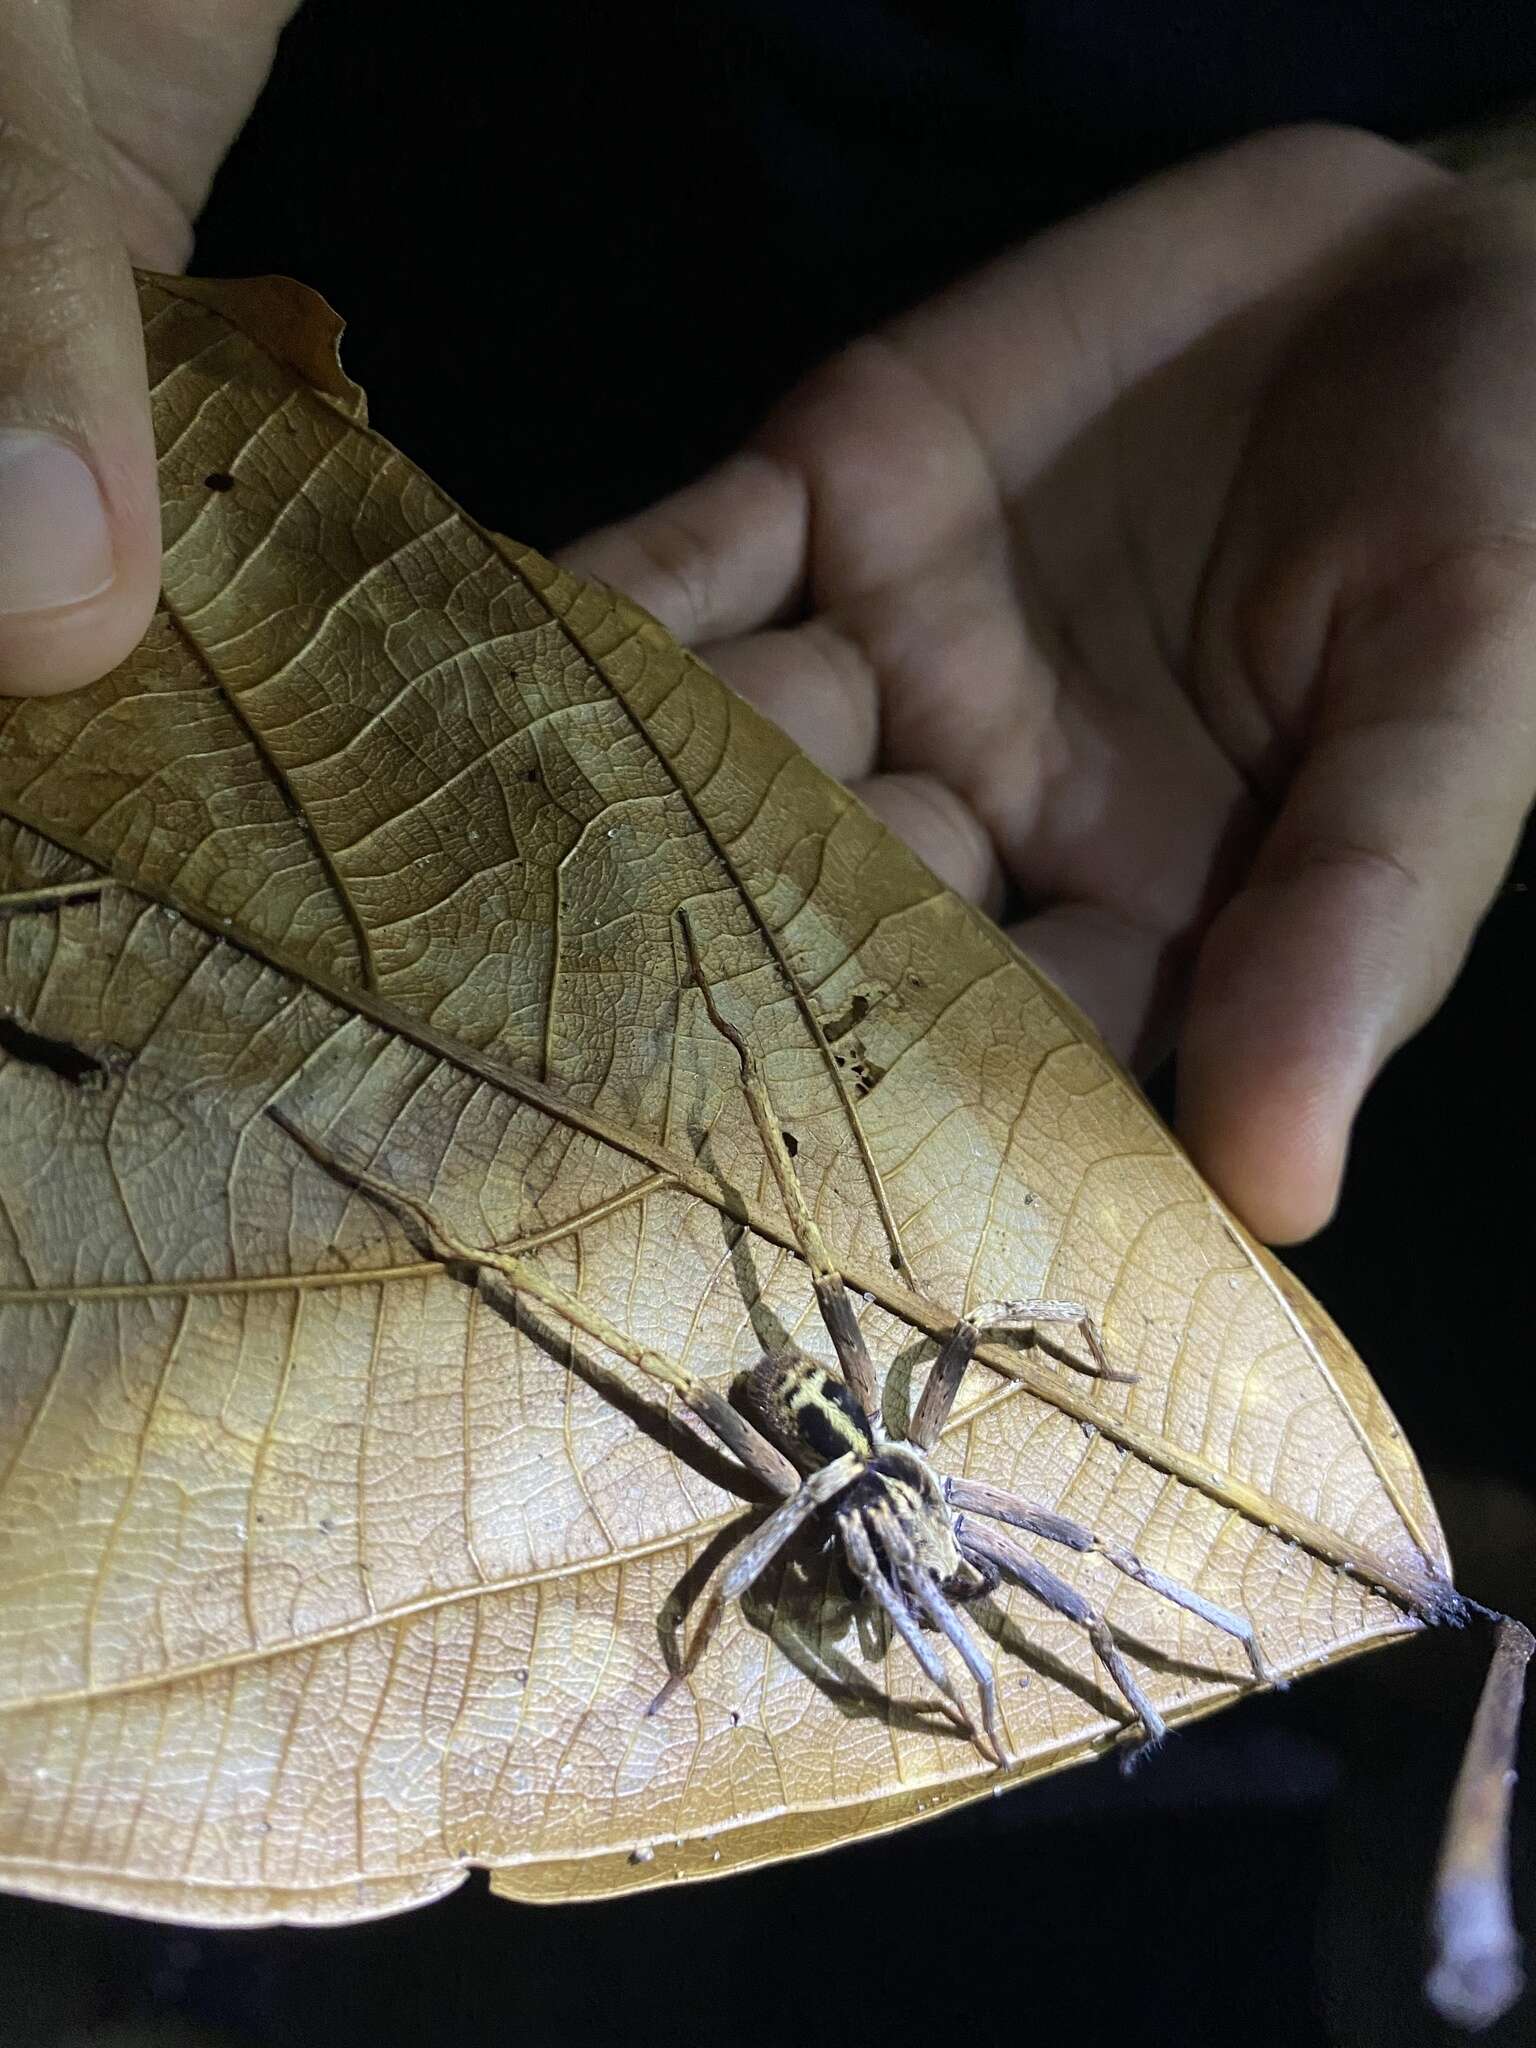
909 1534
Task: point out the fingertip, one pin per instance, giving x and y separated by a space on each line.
721 557
1272 1143
44 653
79 564
816 685
1121 974
945 834
79 503
1273 1063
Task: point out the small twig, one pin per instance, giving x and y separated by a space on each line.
52 895
1476 1975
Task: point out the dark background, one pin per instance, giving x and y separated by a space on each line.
581 248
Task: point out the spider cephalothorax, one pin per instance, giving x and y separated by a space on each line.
894 1491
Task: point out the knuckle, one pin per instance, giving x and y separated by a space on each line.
1484 578
1376 866
52 253
676 557
837 406
1380 892
821 391
43 191
1293 148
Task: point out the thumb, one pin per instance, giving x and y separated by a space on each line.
79 508
1365 897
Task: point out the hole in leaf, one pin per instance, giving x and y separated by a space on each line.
219 480
850 1020
791 1143
57 1055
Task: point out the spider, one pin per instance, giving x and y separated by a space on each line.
909 1535
918 1542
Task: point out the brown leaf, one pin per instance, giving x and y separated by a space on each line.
325 1571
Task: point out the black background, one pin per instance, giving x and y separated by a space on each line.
581 249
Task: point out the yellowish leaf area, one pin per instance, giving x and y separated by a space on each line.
326 1573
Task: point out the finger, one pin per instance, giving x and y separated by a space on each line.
1113 294
1367 892
1123 976
79 507
721 557
943 832
169 85
814 683
822 690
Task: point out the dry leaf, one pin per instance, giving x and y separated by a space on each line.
323 1575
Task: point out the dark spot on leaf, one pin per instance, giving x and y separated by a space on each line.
56 1055
791 1144
850 1020
866 1075
219 480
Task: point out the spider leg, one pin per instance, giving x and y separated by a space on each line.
860 1553
948 1369
944 1617
526 1277
942 1385
1053 1592
979 1498
1024 1315
756 1554
831 1294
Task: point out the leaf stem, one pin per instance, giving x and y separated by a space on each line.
1476 1974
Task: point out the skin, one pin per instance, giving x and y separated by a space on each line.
1169 585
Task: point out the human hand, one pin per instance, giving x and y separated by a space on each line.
114 115
1175 577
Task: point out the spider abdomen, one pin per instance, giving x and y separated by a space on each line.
807 1409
